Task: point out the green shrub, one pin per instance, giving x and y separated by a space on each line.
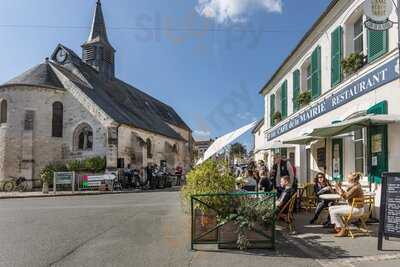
210 177
74 165
95 164
47 173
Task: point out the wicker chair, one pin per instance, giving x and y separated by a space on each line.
286 213
309 198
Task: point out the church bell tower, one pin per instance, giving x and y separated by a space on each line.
97 50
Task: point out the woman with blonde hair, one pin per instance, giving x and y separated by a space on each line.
336 212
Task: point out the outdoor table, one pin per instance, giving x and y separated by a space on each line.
333 197
369 194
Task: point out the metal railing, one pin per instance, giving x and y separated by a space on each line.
217 217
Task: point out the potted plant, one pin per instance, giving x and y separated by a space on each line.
252 217
352 63
277 117
210 177
304 98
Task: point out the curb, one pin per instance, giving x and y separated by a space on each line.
50 195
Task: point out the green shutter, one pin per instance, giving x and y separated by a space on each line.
316 73
336 56
284 105
377 44
296 90
272 109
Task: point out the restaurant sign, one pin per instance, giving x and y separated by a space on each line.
367 83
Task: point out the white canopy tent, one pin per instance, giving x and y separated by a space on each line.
225 140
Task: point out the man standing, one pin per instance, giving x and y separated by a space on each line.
280 169
178 174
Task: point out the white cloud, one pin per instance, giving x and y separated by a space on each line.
235 10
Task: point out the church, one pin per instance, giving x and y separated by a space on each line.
72 107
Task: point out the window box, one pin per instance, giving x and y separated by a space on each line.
304 98
353 63
277 117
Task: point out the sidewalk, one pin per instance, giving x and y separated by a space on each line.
319 244
39 194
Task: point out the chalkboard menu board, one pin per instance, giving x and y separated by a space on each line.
390 207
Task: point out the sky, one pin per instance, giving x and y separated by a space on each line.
208 59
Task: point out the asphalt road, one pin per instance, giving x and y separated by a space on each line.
141 229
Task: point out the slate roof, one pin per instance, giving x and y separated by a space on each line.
40 75
124 103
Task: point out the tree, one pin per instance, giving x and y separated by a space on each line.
237 150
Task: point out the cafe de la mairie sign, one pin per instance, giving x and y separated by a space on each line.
363 85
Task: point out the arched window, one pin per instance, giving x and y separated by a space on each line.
148 148
3 111
57 123
83 137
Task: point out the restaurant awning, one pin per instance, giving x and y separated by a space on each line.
353 124
275 145
302 140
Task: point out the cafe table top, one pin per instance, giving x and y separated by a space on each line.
330 197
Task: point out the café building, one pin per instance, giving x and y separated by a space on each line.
333 104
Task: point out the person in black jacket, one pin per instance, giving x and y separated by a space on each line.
282 168
286 195
321 186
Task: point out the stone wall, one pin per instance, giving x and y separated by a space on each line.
26 151
127 136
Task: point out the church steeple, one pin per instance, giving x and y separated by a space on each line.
97 51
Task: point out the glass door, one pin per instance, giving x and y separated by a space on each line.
378 147
337 159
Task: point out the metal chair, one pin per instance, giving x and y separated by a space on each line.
367 201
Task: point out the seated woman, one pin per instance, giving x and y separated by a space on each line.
321 186
336 212
286 194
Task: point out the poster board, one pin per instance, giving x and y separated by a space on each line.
389 221
63 178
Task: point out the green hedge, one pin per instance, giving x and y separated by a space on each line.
94 164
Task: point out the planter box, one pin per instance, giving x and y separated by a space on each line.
228 237
203 223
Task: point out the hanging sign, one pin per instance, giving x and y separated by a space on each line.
378 12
